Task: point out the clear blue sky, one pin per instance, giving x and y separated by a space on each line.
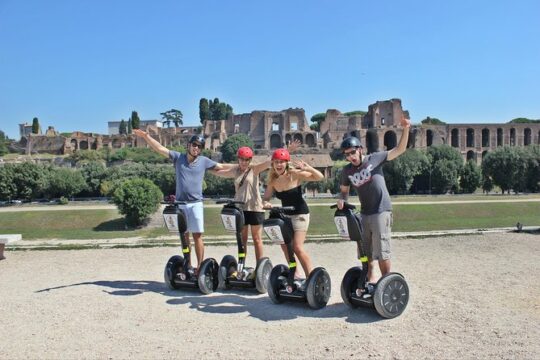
78 64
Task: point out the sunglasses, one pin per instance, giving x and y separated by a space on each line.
352 152
200 146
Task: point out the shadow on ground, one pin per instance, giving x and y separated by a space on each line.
256 305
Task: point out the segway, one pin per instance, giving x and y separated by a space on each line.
281 285
178 272
390 295
233 272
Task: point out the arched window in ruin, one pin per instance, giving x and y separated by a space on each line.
294 126
288 138
372 141
74 145
527 134
470 137
412 139
310 140
94 145
298 137
116 144
471 155
390 140
84 145
275 126
512 137
275 141
485 137
236 128
429 138
484 153
500 141
455 138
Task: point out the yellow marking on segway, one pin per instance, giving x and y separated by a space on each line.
185 251
241 255
292 264
364 259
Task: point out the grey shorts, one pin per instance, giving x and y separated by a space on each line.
300 222
194 216
376 234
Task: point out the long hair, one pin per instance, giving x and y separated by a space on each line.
273 175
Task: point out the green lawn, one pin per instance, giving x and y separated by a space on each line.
105 224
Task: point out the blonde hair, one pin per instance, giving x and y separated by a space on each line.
273 175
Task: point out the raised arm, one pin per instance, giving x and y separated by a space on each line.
226 173
402 146
307 172
153 143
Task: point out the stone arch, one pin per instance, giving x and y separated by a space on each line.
288 138
310 140
83 145
527 137
95 145
485 137
484 153
454 138
411 143
298 137
74 145
471 155
116 143
500 138
372 141
470 137
512 137
390 140
429 137
275 141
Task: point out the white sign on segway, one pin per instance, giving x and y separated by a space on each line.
229 222
274 234
171 221
341 224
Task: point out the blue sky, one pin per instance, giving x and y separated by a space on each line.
78 64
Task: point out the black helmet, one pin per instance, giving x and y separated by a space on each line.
350 142
197 138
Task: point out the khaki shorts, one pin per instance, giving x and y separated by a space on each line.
376 234
300 222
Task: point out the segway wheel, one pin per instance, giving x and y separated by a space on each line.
172 268
391 295
349 284
275 283
208 276
227 266
318 288
262 274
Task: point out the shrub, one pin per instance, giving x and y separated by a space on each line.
137 199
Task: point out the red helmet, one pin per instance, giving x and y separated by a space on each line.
281 154
245 152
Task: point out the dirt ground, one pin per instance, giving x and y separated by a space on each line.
471 297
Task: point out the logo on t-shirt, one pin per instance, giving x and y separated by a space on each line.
361 177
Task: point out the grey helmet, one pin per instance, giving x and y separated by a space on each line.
350 142
197 138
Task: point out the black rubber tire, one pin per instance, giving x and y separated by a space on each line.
391 295
349 284
318 288
175 263
208 276
262 274
227 266
274 284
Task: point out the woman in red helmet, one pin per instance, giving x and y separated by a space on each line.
285 182
246 185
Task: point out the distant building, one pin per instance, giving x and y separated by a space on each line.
26 129
114 126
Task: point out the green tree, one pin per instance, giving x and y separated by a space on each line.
532 176
471 177
129 127
316 120
503 166
3 143
174 116
123 128
355 112
228 111
487 183
400 173
214 108
432 121
204 110
217 186
232 144
137 199
94 173
8 188
35 126
445 176
135 121
523 121
64 182
29 178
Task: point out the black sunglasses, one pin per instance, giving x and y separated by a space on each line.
200 146
352 152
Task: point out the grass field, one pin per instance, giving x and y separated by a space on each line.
106 224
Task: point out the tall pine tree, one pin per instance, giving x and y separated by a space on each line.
204 110
135 121
122 129
35 126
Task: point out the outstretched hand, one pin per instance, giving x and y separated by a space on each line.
405 122
139 132
294 145
300 164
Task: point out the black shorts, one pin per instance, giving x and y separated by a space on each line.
253 218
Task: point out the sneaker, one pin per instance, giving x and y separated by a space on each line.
192 271
300 284
251 274
234 274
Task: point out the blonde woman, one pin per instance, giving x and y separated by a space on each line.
285 180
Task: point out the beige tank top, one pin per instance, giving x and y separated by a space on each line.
247 191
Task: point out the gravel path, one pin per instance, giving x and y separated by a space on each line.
471 297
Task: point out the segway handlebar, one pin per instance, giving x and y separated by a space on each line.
229 202
174 202
346 205
280 208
